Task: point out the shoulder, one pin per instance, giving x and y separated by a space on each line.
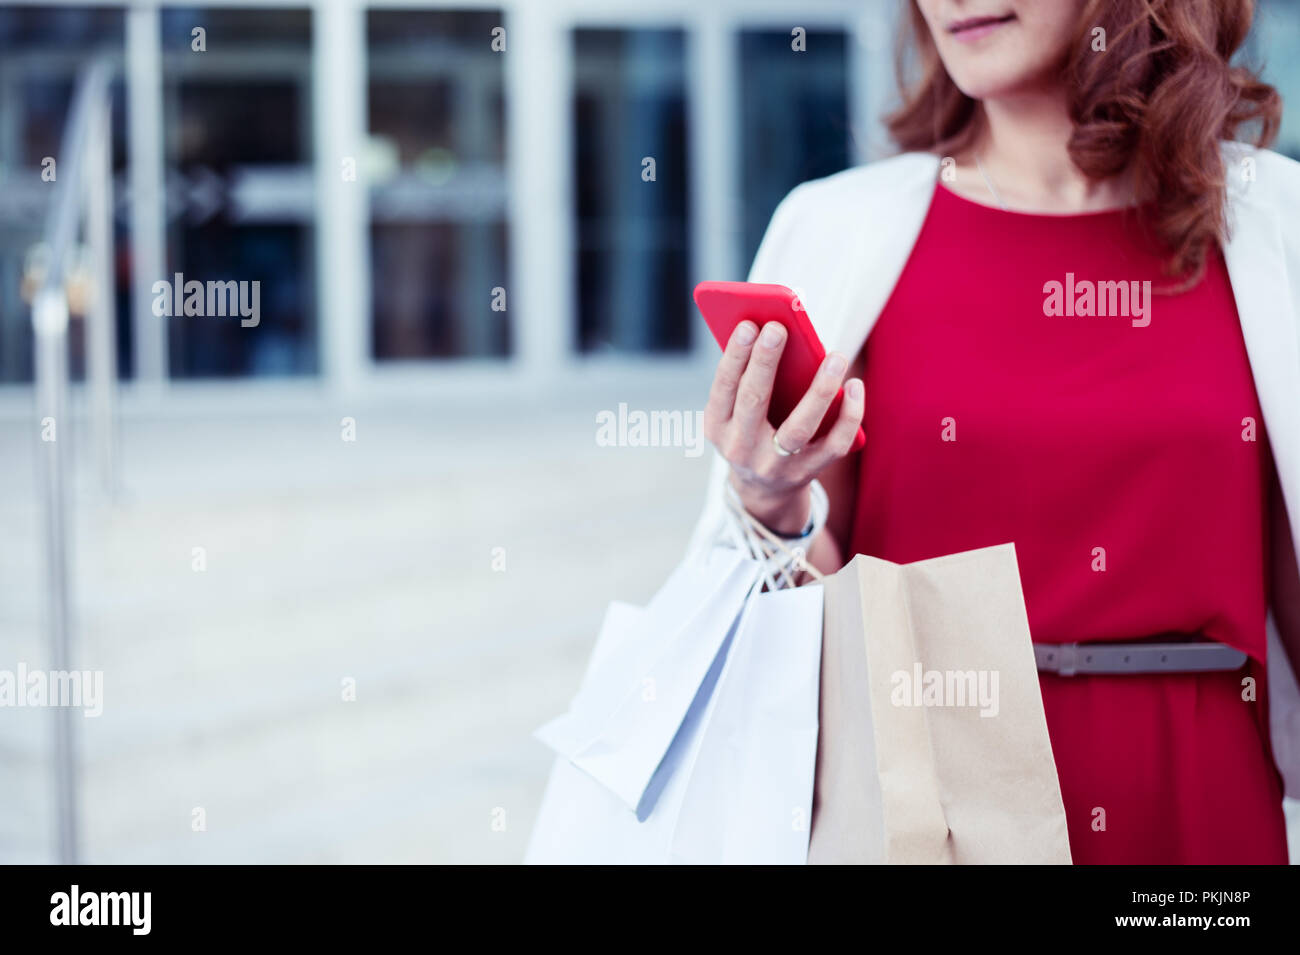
812 224
1263 200
1260 174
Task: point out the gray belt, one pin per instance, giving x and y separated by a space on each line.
1067 659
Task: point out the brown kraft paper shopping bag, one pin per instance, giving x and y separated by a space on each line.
933 746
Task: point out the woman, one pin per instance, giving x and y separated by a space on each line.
1066 317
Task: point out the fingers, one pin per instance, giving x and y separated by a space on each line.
735 417
755 389
722 394
798 429
839 440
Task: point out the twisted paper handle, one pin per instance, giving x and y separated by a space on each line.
769 545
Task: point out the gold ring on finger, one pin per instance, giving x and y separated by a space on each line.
782 451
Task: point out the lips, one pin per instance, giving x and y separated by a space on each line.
980 24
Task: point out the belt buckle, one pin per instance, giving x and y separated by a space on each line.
1069 659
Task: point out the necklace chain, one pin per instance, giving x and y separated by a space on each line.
989 182
998 199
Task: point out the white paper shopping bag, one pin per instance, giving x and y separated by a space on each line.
747 790
633 701
737 779
581 822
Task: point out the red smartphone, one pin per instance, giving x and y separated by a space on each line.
725 305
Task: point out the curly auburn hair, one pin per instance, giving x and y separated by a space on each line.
1161 97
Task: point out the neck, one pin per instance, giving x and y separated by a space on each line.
1023 148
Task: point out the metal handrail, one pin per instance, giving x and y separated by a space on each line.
80 186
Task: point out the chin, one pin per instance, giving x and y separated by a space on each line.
991 84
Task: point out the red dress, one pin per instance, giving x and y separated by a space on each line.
1115 456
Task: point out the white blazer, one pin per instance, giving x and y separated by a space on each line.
841 244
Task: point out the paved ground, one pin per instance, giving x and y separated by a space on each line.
329 560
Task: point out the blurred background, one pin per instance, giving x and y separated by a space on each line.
335 568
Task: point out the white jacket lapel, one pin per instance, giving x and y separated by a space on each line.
1263 283
891 208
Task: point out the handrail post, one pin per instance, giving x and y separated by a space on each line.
50 330
50 324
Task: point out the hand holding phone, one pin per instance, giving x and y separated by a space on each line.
776 410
